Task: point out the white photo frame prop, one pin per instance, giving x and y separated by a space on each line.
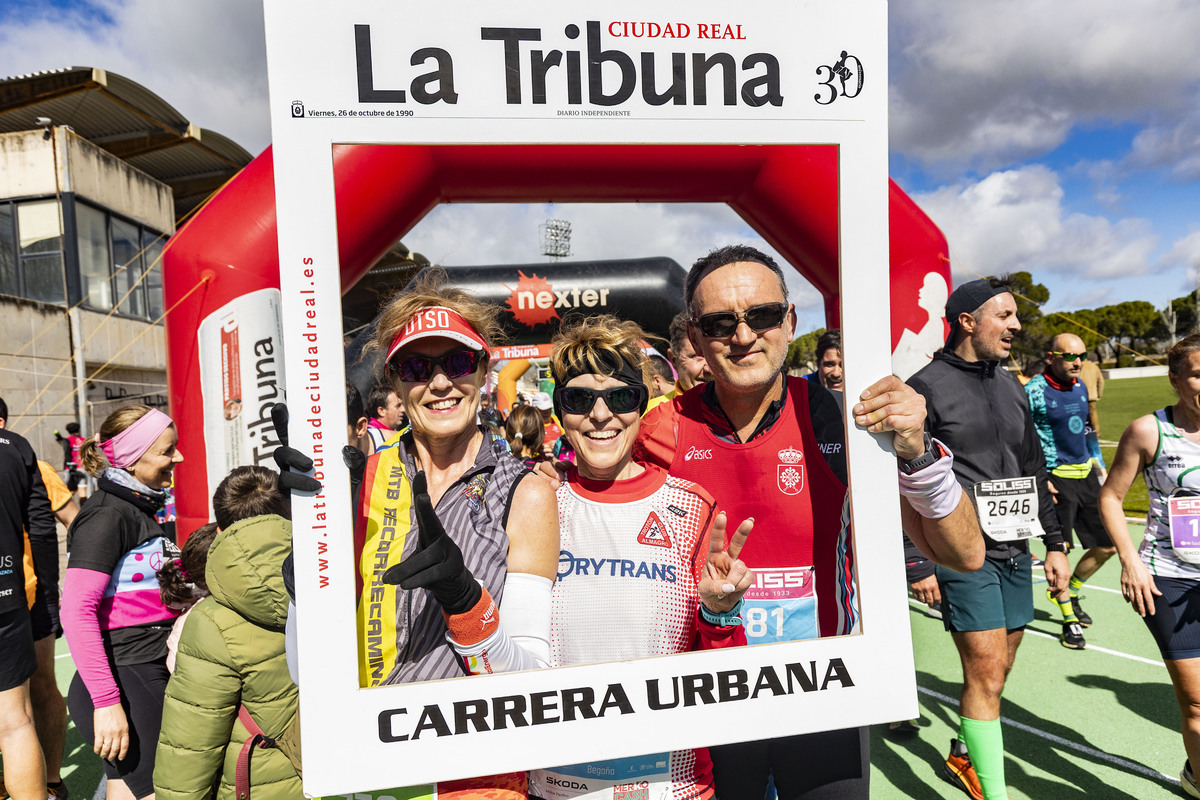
463 74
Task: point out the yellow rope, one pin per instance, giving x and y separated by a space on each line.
1074 322
103 366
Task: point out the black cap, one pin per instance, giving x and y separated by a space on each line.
968 297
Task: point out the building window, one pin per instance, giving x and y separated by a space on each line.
113 255
127 268
94 259
39 252
8 251
153 245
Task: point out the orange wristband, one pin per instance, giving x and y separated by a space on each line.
472 627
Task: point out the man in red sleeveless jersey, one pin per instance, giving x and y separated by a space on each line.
772 447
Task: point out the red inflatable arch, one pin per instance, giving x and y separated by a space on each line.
786 193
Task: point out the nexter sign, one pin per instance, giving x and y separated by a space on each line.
536 297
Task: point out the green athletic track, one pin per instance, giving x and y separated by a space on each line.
1097 723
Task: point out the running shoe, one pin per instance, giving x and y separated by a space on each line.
1188 781
57 791
905 727
1072 636
1080 614
958 771
1036 563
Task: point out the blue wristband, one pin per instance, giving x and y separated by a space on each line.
725 620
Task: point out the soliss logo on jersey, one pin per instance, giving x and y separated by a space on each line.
790 472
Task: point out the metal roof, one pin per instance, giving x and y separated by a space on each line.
128 120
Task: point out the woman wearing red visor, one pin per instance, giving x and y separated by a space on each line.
447 513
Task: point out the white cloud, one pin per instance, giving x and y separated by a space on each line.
208 60
1184 252
988 83
1173 148
1015 220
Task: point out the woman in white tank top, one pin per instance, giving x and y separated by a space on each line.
1161 580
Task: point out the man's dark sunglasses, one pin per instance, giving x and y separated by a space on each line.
759 318
1069 356
418 369
619 399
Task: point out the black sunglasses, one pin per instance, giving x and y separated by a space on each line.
1068 357
759 318
619 399
418 369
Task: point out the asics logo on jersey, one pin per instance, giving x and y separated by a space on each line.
568 565
697 454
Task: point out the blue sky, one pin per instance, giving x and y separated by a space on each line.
1062 139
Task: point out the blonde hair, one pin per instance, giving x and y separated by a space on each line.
90 455
590 345
430 289
525 432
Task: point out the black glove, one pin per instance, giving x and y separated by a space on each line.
288 458
437 565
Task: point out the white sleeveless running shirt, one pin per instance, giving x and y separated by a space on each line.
1176 465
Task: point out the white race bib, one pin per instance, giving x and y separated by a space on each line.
1008 509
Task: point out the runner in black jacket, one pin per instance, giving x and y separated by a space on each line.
24 506
981 413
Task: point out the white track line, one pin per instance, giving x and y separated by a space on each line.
1130 656
1091 752
931 612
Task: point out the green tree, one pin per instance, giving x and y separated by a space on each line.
1030 344
1131 323
802 352
1084 323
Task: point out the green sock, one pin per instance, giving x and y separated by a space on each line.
1068 610
985 745
1076 585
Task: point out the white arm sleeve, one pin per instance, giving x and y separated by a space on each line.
291 645
522 641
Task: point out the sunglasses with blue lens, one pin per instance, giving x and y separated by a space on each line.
619 399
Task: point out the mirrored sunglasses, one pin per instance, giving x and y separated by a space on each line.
619 399
759 318
418 369
1069 356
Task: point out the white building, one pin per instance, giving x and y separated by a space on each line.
95 173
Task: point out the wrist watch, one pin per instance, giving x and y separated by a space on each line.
931 454
1058 547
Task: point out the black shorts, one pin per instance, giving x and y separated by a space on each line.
143 687
1078 509
831 765
1175 623
43 617
18 661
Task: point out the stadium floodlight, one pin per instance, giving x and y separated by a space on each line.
556 238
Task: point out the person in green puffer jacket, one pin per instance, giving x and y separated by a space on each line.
231 652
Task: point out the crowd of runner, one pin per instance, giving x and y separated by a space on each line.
642 494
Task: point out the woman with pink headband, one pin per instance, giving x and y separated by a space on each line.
112 613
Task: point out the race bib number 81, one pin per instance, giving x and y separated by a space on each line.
781 606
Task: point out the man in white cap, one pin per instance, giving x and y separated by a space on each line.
545 406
